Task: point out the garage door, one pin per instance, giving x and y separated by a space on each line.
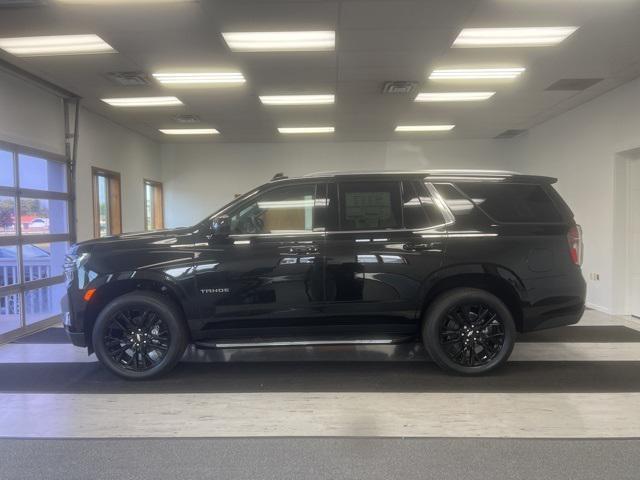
35 221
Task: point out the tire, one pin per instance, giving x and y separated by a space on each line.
136 345
460 337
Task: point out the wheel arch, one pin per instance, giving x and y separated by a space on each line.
495 279
121 284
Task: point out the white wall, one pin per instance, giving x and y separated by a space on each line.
199 178
580 148
107 145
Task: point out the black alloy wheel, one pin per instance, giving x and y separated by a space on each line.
137 339
468 331
472 334
140 335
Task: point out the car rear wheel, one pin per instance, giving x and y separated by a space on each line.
139 336
468 331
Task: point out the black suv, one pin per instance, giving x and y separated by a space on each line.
459 259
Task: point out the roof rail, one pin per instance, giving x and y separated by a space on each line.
460 172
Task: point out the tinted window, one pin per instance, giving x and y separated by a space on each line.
466 213
430 210
370 205
413 208
513 202
283 210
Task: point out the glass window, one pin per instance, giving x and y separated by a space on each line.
283 210
153 205
43 260
510 202
107 217
9 313
42 174
43 217
418 210
7 178
370 205
7 215
466 213
9 266
43 303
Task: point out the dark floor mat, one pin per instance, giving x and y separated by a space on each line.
587 334
517 377
50 335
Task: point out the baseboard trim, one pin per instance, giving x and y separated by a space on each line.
599 308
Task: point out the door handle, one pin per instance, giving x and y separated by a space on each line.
306 249
421 247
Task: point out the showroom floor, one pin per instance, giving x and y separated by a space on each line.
570 394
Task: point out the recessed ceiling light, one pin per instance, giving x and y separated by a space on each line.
280 41
477 73
142 101
306 129
198 78
297 99
424 128
454 96
189 131
55 45
512 37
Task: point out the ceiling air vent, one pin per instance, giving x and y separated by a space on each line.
187 118
573 84
399 87
129 79
22 3
510 133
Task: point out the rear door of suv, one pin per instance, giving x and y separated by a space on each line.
384 238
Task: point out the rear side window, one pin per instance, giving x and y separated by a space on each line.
370 205
509 202
418 208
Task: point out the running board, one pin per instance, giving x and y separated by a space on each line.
297 343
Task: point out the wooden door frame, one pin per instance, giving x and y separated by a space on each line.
158 185
113 219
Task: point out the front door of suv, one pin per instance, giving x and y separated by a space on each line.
387 238
265 276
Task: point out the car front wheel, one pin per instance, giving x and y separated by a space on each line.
139 335
468 331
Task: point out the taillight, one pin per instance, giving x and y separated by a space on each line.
574 238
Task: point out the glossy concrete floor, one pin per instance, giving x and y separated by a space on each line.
580 382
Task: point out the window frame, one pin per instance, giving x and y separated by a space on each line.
19 239
111 176
154 184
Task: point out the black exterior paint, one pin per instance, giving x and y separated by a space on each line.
328 282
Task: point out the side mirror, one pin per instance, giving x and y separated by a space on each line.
221 225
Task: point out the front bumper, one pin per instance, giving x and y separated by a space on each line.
77 338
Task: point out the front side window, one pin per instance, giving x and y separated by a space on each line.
284 210
370 206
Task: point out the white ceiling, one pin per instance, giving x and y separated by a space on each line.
376 41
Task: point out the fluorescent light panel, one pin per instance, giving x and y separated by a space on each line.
189 131
280 41
477 73
454 96
512 37
295 130
198 78
142 101
55 45
424 128
297 99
